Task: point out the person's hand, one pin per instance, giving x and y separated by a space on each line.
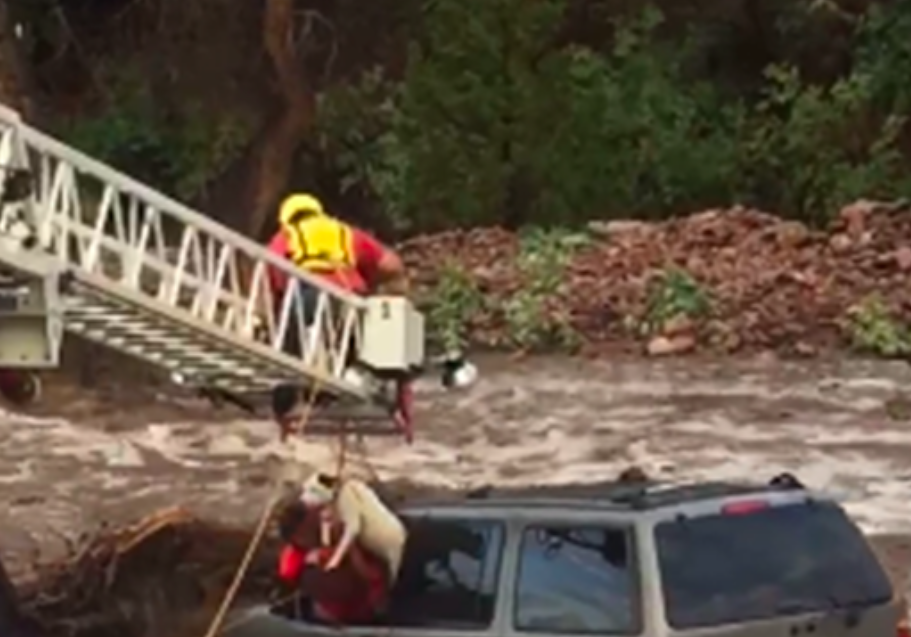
398 286
401 285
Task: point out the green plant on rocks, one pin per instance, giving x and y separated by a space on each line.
534 319
450 305
872 329
675 296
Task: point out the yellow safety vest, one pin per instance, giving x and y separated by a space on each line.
321 244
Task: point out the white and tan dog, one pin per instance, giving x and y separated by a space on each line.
363 516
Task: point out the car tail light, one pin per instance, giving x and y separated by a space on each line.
744 507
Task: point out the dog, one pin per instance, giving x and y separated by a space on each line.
363 518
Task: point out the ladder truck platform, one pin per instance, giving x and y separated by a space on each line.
87 250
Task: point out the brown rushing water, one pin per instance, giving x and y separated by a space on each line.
118 453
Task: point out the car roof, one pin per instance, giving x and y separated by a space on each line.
616 495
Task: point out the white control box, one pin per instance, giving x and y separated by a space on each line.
393 336
31 321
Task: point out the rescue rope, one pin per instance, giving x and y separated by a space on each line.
341 461
256 540
372 474
260 533
241 572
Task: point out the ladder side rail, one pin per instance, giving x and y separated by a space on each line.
218 276
45 145
138 255
171 280
324 342
8 213
7 151
234 317
11 214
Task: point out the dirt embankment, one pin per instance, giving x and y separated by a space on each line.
163 576
768 283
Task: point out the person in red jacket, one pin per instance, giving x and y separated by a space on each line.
335 251
344 256
354 592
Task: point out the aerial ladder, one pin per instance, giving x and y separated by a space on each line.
86 250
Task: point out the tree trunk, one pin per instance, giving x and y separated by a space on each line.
273 157
15 85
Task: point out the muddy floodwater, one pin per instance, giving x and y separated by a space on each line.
841 426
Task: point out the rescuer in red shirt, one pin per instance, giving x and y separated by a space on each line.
352 593
344 256
337 252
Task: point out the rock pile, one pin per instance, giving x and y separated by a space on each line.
771 283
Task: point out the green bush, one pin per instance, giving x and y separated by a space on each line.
179 152
535 317
873 330
491 122
814 148
883 54
479 131
507 112
450 306
675 294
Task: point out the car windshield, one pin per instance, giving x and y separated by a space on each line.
758 564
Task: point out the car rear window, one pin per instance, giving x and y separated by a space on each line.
759 564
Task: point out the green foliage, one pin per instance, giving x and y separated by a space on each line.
874 330
675 294
546 252
450 306
489 123
179 152
639 137
821 146
492 121
359 127
519 113
534 315
884 54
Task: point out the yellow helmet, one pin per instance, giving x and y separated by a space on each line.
299 205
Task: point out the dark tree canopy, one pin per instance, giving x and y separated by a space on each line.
423 114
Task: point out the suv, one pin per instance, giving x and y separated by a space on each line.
623 558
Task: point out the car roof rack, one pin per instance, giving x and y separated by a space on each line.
634 489
786 481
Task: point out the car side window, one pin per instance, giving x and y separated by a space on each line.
448 577
577 580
